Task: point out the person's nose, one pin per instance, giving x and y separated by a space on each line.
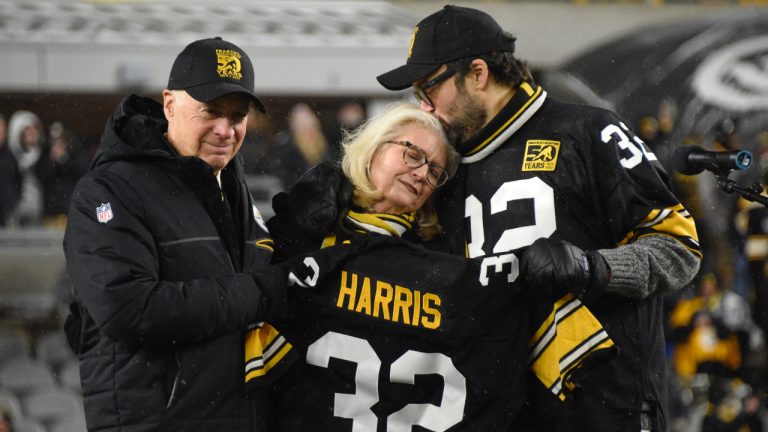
225 128
420 173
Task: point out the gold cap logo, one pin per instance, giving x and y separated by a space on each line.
541 155
413 39
228 64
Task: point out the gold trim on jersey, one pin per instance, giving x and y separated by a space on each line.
567 338
535 99
394 225
265 243
264 348
328 241
674 222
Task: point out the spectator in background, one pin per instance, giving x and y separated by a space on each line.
25 139
648 130
713 331
731 408
666 118
726 137
59 169
349 116
703 344
257 147
10 178
300 147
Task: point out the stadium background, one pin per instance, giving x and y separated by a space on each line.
73 61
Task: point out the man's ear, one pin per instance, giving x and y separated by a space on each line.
169 104
479 74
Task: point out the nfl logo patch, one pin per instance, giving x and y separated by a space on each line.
104 213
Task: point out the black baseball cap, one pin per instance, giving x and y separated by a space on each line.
452 33
210 68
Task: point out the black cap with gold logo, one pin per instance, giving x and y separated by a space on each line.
211 68
450 34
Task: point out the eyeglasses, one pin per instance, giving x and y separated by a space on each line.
421 92
415 157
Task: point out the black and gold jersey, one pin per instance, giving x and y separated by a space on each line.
543 168
398 336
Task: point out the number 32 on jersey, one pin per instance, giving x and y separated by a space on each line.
357 406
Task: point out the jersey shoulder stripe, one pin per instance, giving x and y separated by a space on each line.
674 221
565 341
267 354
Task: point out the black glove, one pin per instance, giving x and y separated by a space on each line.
556 265
317 199
272 281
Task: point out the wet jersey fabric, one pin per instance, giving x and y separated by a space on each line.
399 336
402 337
542 168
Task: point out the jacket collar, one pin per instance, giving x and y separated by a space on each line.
527 100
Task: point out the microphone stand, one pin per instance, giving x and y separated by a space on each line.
753 193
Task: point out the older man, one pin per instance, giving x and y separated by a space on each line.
164 247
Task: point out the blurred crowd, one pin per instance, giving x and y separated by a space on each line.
39 168
715 328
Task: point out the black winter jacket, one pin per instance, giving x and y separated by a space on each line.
160 268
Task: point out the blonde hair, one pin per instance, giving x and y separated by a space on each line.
361 146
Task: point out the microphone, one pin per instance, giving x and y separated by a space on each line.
691 160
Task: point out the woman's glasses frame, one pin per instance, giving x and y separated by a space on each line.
415 157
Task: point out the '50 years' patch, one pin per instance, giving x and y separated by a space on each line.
541 155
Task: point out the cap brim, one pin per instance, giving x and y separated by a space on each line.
209 92
404 76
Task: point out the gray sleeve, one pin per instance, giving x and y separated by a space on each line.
653 265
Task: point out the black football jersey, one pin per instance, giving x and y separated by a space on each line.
402 337
399 338
542 168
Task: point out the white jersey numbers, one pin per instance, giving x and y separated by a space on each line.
514 238
496 263
636 149
357 406
308 281
432 417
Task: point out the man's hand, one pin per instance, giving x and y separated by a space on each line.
272 282
558 266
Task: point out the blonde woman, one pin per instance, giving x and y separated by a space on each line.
386 334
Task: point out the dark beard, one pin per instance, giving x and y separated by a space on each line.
469 117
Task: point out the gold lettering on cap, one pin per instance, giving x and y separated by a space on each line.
413 39
228 64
